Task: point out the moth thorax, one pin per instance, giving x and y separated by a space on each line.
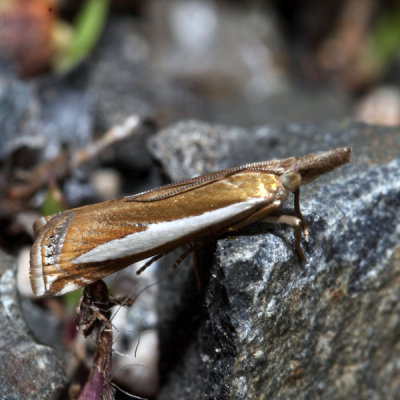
291 180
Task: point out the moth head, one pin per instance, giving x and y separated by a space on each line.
312 166
291 180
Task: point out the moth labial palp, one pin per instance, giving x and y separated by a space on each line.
79 246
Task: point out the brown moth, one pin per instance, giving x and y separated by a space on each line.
76 247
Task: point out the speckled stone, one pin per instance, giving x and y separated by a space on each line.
28 370
266 326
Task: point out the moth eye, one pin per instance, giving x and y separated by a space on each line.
291 180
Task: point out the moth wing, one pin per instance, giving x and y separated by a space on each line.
175 188
52 271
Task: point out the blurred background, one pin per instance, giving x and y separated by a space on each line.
85 84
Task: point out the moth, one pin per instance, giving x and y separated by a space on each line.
76 247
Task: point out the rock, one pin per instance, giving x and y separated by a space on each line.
39 117
149 72
19 115
28 370
265 325
124 80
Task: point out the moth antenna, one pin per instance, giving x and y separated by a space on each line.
187 186
193 183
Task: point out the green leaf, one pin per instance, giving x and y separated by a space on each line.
52 203
71 300
88 26
384 41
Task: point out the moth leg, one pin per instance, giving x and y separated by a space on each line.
296 223
148 263
193 247
196 270
183 255
260 214
299 213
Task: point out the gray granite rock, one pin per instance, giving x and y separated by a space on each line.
28 369
265 325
